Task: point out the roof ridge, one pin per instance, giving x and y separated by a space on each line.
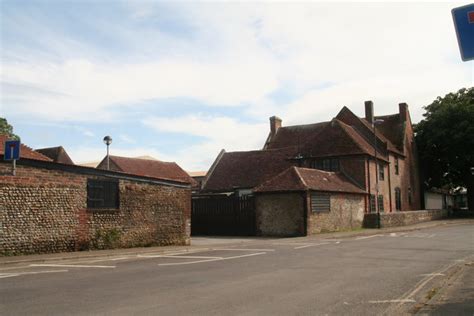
318 170
300 177
141 159
304 125
344 128
259 150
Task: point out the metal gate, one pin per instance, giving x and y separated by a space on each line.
223 215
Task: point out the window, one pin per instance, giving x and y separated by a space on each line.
372 203
326 164
396 166
320 202
380 203
334 164
409 196
398 199
381 172
102 194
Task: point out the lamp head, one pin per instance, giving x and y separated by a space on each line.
107 140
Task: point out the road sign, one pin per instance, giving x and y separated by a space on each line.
463 18
12 150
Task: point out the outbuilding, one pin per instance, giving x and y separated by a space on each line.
303 201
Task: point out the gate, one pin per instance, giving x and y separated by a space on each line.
223 215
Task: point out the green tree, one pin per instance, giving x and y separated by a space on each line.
445 141
7 129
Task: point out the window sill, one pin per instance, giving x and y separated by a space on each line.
103 210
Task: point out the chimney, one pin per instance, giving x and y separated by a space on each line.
275 124
403 110
369 111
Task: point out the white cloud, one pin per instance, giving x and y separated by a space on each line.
218 132
243 52
237 55
82 88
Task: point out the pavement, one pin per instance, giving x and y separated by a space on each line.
424 268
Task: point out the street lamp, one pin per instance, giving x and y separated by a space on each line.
108 141
376 122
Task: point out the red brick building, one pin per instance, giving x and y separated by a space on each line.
365 151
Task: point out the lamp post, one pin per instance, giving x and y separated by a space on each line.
108 141
376 122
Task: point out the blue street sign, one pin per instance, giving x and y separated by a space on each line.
12 150
464 23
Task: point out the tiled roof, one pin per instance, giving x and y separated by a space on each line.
302 179
392 129
337 139
25 151
297 135
390 145
57 154
148 168
247 169
364 128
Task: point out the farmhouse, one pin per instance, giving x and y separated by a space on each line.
374 156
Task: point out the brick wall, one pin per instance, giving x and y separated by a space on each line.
403 218
280 214
347 212
384 185
43 210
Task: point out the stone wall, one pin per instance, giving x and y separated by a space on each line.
347 212
403 218
280 214
44 210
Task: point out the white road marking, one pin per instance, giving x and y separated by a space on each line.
338 242
427 279
311 245
184 257
70 266
209 260
235 249
367 237
392 301
289 243
433 274
105 259
188 262
14 274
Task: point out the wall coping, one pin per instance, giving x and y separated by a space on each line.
96 172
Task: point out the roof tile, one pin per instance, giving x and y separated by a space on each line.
149 168
302 179
246 169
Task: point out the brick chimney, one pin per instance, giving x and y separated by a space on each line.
275 124
403 110
369 111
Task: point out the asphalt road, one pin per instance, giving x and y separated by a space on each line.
368 275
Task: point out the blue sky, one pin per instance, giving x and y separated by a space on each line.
180 81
